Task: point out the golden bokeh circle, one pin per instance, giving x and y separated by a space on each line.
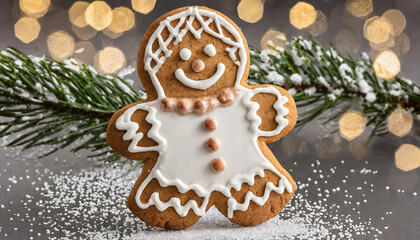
407 157
143 6
27 29
377 29
319 26
250 10
397 19
387 65
302 15
110 60
77 13
359 8
98 15
400 122
351 125
34 8
273 39
122 20
60 45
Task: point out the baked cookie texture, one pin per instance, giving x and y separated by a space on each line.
202 131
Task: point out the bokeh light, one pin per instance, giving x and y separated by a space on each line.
377 29
402 44
359 8
397 19
407 157
143 6
302 15
98 15
273 39
387 65
34 8
84 33
400 122
110 60
111 34
77 13
351 125
122 20
348 41
84 52
319 26
60 45
384 45
27 29
251 10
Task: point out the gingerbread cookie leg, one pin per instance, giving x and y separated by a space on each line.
255 213
151 215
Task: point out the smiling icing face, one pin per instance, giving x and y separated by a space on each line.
198 65
195 54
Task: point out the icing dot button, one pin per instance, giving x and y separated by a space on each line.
167 104
184 106
212 144
210 124
218 165
226 97
200 106
198 65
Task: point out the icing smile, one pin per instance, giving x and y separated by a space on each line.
200 84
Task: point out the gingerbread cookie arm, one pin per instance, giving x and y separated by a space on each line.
127 133
276 111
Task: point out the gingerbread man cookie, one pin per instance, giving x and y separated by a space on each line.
202 131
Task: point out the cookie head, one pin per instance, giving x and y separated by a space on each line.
192 52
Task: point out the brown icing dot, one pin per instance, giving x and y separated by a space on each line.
213 103
184 106
226 97
218 165
200 106
167 104
198 65
212 144
210 124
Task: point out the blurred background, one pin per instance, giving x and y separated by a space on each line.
62 29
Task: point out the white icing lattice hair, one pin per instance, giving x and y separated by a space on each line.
176 34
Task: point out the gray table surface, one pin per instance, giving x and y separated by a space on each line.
391 205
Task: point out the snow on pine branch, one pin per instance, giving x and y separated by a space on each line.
324 79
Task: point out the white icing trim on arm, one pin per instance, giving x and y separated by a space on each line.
124 123
278 106
200 84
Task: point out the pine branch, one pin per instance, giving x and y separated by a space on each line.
322 80
58 104
44 102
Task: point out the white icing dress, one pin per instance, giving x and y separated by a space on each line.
184 161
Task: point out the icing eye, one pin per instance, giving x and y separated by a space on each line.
210 50
185 54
